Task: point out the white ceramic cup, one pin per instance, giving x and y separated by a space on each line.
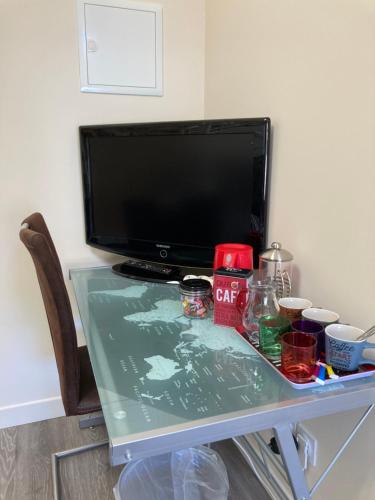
322 316
292 307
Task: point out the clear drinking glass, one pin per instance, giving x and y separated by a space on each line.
261 301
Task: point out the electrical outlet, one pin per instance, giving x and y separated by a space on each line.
308 446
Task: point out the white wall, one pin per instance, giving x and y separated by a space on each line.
41 108
310 66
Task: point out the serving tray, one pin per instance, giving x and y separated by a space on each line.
363 371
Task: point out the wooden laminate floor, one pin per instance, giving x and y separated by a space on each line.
25 464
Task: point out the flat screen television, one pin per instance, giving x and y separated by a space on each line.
169 192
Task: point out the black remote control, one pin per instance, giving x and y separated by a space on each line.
147 271
155 268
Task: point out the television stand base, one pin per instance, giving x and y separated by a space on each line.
150 271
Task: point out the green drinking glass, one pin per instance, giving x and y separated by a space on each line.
270 330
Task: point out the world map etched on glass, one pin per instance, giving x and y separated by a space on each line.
165 368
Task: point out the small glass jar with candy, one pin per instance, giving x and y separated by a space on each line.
196 297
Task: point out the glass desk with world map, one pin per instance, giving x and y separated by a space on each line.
167 382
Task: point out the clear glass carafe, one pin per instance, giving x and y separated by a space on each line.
261 301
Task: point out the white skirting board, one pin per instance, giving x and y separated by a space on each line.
31 411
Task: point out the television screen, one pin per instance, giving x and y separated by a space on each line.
169 192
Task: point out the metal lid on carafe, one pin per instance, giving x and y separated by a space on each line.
276 254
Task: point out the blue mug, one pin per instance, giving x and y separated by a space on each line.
343 351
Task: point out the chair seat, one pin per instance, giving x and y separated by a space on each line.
88 396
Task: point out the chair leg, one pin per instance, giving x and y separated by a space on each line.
56 457
91 420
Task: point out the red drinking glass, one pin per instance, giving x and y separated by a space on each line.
298 356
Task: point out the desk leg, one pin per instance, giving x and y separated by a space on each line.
91 420
289 454
64 454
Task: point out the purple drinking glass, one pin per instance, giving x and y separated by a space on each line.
311 328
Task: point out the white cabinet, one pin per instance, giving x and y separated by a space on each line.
120 47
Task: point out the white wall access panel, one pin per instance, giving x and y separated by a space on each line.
120 47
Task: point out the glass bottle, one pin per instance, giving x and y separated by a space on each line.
261 301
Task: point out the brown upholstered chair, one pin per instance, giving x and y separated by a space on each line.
78 389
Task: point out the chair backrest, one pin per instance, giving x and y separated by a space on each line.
36 237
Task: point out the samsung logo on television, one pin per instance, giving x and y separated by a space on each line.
162 246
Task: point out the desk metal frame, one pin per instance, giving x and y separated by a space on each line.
295 476
241 423
289 467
